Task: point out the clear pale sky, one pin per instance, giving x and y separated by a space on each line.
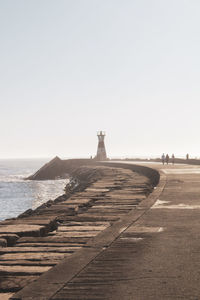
71 67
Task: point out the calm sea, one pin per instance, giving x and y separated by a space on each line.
17 194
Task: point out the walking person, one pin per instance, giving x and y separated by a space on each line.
173 158
163 158
167 159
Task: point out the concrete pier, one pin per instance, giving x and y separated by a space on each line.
149 251
41 239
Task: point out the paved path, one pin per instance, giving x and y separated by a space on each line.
156 255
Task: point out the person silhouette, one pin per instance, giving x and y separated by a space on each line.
167 159
163 158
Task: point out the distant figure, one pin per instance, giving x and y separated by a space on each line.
163 159
187 157
167 159
173 157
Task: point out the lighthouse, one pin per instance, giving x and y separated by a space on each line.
101 150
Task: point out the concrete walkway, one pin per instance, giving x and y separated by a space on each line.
155 254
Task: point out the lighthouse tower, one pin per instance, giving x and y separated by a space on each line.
101 150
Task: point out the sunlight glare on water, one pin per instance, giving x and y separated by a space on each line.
17 194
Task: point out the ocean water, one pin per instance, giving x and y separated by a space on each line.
17 194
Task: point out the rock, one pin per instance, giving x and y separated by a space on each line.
5 296
74 246
23 262
12 283
81 228
25 249
52 239
76 234
23 230
3 242
27 213
10 238
58 168
33 256
23 270
49 222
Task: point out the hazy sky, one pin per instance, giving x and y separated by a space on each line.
71 67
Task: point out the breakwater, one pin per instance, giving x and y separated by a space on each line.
40 239
59 168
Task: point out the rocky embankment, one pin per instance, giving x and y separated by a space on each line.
59 168
38 240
